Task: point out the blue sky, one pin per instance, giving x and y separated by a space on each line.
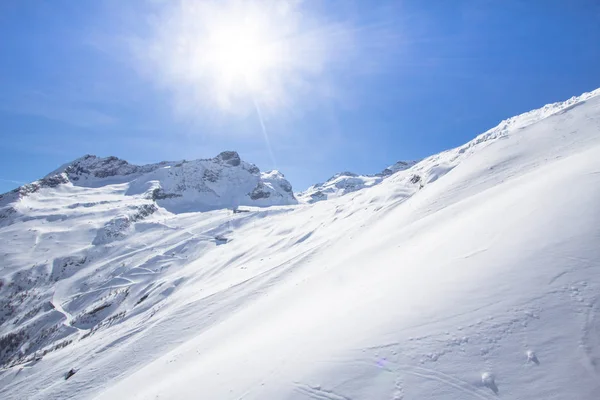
375 82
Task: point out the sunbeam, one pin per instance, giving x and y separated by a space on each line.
265 135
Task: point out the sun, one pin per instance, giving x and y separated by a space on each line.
243 51
240 55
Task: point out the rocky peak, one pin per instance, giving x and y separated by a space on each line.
230 158
91 166
345 173
398 166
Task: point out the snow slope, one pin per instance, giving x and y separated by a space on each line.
480 279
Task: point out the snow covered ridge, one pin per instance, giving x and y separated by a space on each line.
431 168
347 182
224 181
531 117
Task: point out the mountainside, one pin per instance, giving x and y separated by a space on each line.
348 182
473 273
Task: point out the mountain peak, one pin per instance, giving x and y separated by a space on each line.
229 157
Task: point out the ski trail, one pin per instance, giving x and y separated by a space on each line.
430 374
68 316
437 376
316 392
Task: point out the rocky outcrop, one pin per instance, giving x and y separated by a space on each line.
230 158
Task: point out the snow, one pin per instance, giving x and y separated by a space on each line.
347 182
471 274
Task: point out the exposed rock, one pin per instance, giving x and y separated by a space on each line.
253 169
159 194
144 211
70 373
317 196
398 166
89 166
259 192
211 176
230 158
286 186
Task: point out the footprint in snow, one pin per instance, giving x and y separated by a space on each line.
399 392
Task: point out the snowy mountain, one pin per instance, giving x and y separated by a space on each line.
471 274
347 182
221 182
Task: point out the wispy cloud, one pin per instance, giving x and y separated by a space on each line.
57 108
12 181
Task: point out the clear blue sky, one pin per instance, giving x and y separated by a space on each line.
375 82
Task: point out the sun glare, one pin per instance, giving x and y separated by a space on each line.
236 54
242 49
240 55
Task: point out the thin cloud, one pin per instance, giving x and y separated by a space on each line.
39 104
12 181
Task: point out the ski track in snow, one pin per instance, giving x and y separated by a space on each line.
68 317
